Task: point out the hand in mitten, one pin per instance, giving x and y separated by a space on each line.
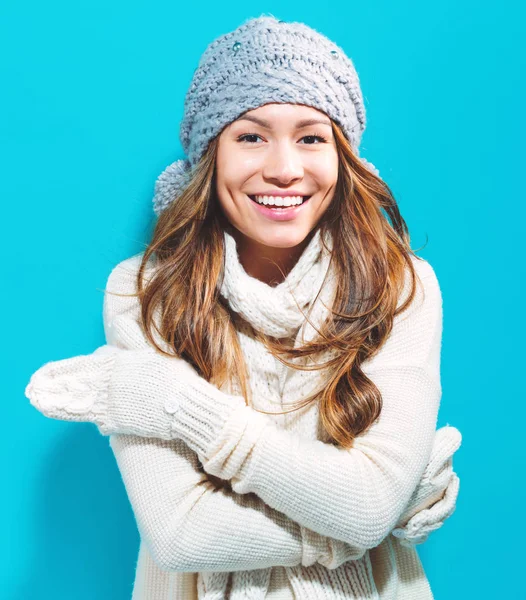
434 500
121 391
74 389
431 504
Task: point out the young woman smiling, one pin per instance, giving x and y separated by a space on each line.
270 380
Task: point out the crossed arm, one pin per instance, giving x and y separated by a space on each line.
190 524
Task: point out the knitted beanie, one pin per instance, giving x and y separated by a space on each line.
262 61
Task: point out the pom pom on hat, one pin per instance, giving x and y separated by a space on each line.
170 184
370 166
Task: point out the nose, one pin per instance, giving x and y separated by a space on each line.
283 165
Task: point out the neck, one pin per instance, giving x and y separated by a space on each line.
268 264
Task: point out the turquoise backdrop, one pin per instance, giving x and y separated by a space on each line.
92 96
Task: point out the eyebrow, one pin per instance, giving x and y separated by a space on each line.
299 124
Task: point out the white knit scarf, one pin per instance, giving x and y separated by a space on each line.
273 311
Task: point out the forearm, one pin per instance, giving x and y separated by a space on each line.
121 316
148 418
142 393
318 546
168 489
190 524
354 495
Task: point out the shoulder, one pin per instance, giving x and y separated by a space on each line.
428 295
121 307
416 334
425 270
123 276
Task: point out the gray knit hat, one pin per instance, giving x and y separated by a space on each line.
264 60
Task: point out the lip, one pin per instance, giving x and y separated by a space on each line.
284 214
280 193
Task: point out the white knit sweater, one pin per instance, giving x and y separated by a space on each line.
356 496
247 505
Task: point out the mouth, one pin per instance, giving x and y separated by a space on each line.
261 203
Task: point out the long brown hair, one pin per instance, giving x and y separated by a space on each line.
371 256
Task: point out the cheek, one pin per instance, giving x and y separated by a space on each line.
229 183
233 171
325 169
233 168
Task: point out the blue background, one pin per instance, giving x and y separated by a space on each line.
92 98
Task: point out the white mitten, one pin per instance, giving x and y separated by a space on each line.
137 392
74 389
121 391
434 500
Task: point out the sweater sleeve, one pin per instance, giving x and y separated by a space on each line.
187 521
356 495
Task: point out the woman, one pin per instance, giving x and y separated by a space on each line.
271 378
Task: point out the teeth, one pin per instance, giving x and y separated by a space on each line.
279 200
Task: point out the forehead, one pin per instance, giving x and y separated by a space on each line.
284 114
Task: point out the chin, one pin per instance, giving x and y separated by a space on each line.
281 237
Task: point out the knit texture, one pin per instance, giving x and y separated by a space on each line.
267 60
399 571
263 60
285 316
255 505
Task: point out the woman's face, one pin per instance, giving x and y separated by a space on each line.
276 153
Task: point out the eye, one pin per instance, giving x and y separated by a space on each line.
316 137
243 138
